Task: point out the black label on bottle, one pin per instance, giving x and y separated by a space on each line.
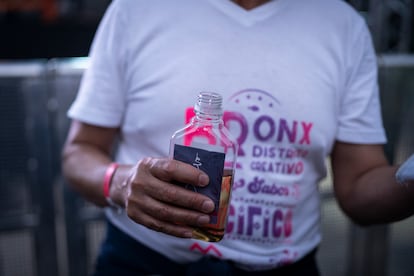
210 162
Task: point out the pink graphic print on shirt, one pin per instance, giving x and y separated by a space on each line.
272 150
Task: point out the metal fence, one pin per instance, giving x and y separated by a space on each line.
45 229
391 23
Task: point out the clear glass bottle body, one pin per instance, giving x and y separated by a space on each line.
207 144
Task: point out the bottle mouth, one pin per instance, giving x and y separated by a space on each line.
209 103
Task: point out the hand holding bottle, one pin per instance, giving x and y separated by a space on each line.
206 144
155 202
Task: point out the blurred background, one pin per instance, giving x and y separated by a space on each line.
46 229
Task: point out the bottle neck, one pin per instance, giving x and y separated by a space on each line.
208 107
208 118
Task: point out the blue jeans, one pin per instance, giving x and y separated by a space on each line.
122 255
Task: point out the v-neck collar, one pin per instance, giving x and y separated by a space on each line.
248 17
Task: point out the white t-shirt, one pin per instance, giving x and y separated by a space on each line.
295 75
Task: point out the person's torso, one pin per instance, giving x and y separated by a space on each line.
279 69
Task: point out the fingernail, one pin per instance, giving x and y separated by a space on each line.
208 206
188 234
203 220
203 180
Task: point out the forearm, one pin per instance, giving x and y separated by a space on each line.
85 159
84 168
376 197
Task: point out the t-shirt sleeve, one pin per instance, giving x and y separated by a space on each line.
360 118
101 97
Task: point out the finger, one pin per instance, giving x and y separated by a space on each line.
174 214
181 197
165 218
173 170
182 231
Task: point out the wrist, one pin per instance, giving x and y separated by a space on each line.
108 185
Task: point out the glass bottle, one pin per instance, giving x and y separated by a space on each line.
207 144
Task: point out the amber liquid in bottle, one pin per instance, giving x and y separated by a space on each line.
215 232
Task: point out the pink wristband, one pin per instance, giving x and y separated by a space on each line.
109 174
